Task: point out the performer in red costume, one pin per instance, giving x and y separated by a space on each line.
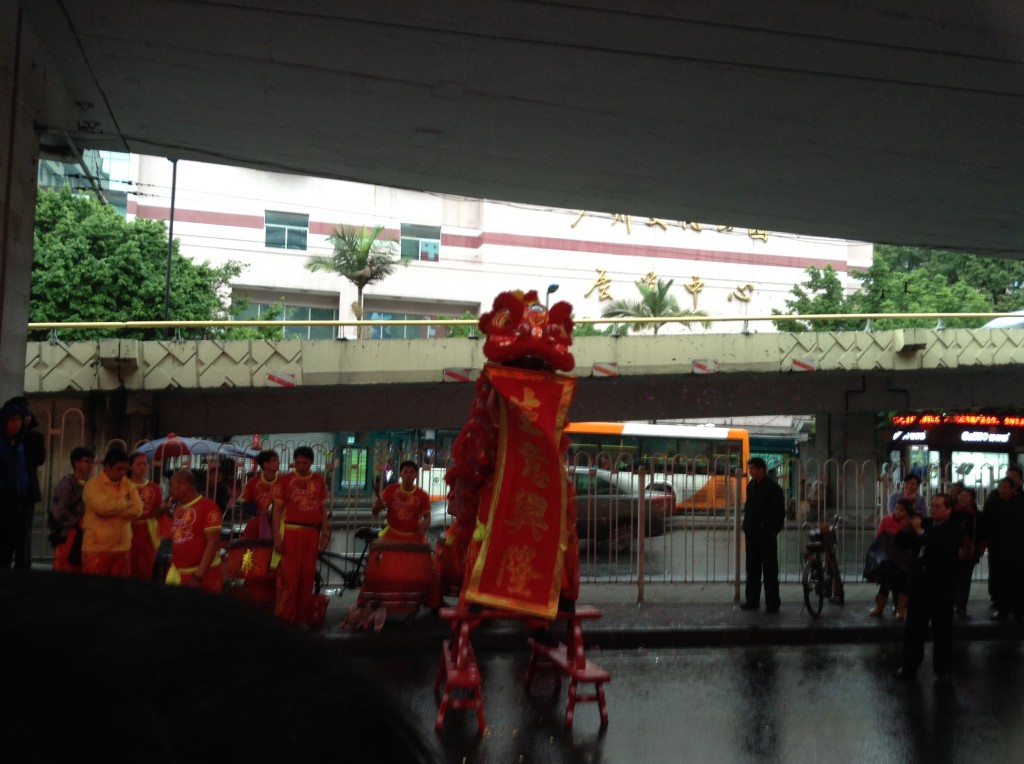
146 532
258 496
195 536
514 506
408 507
301 528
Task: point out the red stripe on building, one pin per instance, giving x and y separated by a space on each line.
495 239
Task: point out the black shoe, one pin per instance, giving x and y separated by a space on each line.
772 609
905 674
749 606
999 615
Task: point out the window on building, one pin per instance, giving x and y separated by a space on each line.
403 331
286 230
421 242
297 313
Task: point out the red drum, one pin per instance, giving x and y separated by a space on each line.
247 574
451 568
397 567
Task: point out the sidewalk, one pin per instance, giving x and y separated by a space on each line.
681 615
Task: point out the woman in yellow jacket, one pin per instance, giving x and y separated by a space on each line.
111 503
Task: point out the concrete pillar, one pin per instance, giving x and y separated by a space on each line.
20 93
845 456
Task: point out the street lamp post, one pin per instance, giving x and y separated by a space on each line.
551 289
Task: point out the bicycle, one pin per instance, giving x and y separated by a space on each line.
821 574
349 568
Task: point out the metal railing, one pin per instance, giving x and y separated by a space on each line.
671 520
867 318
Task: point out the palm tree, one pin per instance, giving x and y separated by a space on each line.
360 257
654 302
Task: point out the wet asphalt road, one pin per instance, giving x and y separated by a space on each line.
827 703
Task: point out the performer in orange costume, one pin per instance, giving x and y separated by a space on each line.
408 507
301 527
195 536
111 503
514 506
258 496
146 532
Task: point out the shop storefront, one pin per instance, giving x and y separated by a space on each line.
974 449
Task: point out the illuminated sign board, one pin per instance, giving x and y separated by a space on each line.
976 436
965 420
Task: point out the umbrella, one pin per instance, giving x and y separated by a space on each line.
173 445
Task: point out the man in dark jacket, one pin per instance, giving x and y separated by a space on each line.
13 485
34 444
764 515
935 542
1002 528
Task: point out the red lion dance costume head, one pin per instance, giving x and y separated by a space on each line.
514 507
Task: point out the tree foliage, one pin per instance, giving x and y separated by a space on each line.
91 264
909 280
359 256
655 302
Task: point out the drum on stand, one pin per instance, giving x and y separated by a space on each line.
248 575
398 573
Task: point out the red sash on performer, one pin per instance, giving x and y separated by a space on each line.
525 534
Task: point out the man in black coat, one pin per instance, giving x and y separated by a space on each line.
764 515
935 542
34 443
1002 528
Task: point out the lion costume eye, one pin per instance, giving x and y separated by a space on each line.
537 315
502 319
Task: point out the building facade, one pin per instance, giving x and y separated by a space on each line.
457 253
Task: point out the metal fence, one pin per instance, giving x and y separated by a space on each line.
671 521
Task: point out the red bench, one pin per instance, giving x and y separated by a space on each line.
458 669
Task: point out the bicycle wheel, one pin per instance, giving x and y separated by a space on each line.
339 571
814 597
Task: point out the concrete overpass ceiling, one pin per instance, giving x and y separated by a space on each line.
878 121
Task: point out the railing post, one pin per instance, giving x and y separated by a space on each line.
641 535
737 527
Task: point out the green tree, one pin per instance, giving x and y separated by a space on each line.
91 264
654 302
360 256
910 280
822 293
461 331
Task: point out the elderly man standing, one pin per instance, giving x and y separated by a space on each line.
111 503
764 515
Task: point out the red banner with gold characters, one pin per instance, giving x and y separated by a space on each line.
523 510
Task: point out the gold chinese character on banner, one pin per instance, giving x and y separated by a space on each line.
659 223
741 293
693 226
627 219
601 285
722 228
650 279
579 217
535 466
757 233
695 287
517 565
529 510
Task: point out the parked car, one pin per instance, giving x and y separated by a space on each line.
607 506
